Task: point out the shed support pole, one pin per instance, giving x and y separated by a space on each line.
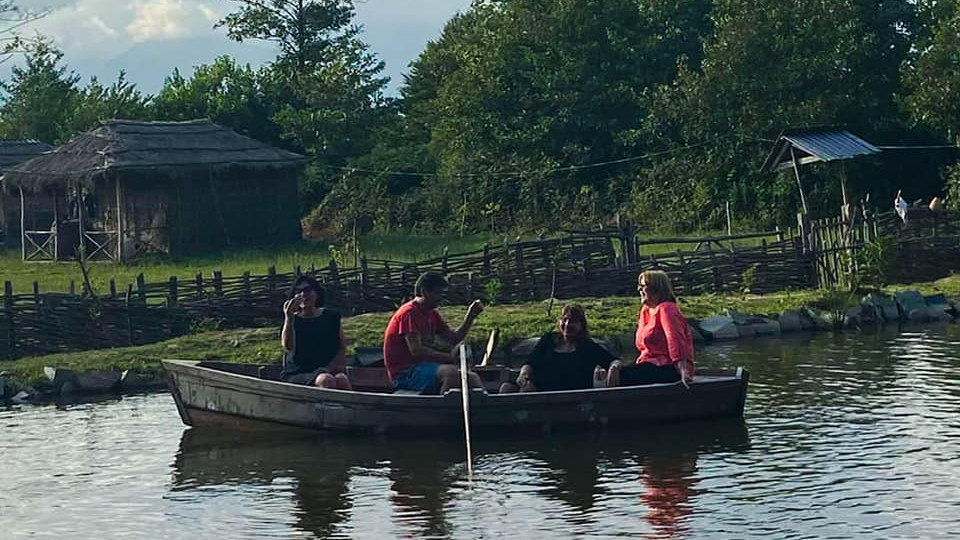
796 172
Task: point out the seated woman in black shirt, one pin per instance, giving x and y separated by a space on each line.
564 359
312 337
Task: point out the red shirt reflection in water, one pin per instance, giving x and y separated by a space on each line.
667 495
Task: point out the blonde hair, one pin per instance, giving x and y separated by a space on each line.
658 284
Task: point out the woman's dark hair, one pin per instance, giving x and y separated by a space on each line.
430 282
307 282
574 312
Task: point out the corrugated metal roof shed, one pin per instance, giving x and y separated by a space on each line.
816 144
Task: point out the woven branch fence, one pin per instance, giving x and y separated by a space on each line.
580 265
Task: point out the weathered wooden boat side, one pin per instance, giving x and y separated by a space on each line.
207 393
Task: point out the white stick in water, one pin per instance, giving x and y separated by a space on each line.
465 392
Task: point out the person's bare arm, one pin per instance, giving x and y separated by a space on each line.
456 336
422 352
287 338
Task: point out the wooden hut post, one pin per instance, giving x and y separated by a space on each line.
117 189
82 246
23 229
56 231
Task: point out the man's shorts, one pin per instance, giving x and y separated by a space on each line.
419 378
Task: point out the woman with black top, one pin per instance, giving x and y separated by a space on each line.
312 337
563 359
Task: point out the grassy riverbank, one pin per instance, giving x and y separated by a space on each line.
613 316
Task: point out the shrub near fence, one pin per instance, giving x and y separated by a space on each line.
573 266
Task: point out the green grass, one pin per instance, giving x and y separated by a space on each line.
56 277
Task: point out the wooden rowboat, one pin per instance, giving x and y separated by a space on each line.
244 395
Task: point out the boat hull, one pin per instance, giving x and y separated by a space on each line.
208 396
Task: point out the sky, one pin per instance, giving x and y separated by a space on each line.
149 38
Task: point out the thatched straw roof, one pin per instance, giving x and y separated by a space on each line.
167 148
16 152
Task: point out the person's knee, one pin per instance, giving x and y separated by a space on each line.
474 380
343 382
448 376
325 380
508 388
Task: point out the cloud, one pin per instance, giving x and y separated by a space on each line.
98 28
170 19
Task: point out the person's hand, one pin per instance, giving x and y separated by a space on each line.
523 379
476 308
291 306
686 374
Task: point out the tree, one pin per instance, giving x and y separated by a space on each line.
933 83
39 98
325 78
769 65
224 92
516 92
97 103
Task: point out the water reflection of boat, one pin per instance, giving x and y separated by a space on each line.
238 395
417 479
319 471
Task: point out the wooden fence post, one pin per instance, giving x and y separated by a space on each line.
36 292
198 284
113 288
141 288
129 314
272 282
245 285
73 288
444 260
486 260
518 253
8 310
172 299
218 282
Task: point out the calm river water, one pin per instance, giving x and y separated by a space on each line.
845 436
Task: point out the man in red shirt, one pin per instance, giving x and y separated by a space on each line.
412 359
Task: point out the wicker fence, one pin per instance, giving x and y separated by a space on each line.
923 247
580 265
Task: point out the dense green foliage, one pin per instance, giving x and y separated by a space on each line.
542 114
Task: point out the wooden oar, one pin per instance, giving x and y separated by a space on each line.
465 392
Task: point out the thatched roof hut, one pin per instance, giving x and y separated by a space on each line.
176 187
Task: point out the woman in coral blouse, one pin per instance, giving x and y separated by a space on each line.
663 338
